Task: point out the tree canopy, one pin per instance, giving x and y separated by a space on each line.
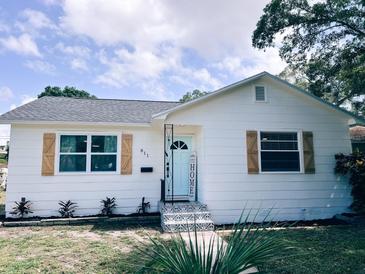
192 95
324 42
65 92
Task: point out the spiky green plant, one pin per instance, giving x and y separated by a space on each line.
248 246
108 206
22 208
67 208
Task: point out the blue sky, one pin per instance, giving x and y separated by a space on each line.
138 49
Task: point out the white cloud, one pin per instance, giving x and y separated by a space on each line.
161 32
24 44
6 93
78 64
79 51
255 62
211 27
4 27
33 20
40 66
127 66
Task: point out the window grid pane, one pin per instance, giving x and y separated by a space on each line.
72 163
104 144
103 162
280 161
279 152
73 143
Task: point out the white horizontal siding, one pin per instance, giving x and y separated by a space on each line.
222 166
87 190
227 186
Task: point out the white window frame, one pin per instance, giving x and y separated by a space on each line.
300 149
265 92
88 153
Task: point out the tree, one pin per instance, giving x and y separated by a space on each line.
65 92
192 95
324 41
295 77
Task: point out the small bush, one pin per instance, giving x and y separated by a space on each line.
22 208
353 165
67 208
108 206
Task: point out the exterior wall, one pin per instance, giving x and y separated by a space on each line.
87 190
226 186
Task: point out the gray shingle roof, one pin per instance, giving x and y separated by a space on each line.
63 109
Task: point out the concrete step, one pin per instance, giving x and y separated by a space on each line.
187 216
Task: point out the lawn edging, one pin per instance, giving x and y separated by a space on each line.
128 220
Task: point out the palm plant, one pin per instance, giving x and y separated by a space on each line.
108 206
67 208
248 246
22 208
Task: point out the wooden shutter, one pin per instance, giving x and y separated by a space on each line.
252 152
308 151
48 156
126 162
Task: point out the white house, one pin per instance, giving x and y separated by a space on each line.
260 143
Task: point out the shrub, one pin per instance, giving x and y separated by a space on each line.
22 208
108 206
67 208
248 246
354 166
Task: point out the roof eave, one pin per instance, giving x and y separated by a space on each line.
357 119
27 122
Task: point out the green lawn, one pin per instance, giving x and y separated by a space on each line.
112 249
72 249
332 249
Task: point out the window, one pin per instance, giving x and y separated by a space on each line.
260 94
88 153
178 144
279 152
73 152
103 153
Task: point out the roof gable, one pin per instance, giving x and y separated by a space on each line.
163 114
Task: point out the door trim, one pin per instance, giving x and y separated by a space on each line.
175 197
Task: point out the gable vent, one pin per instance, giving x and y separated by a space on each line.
260 95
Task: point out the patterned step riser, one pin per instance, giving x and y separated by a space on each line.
179 217
183 209
187 227
186 217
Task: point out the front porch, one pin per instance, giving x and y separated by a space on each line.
181 153
179 206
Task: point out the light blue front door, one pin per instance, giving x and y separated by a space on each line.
182 151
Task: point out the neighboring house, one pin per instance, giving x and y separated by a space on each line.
357 134
260 143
